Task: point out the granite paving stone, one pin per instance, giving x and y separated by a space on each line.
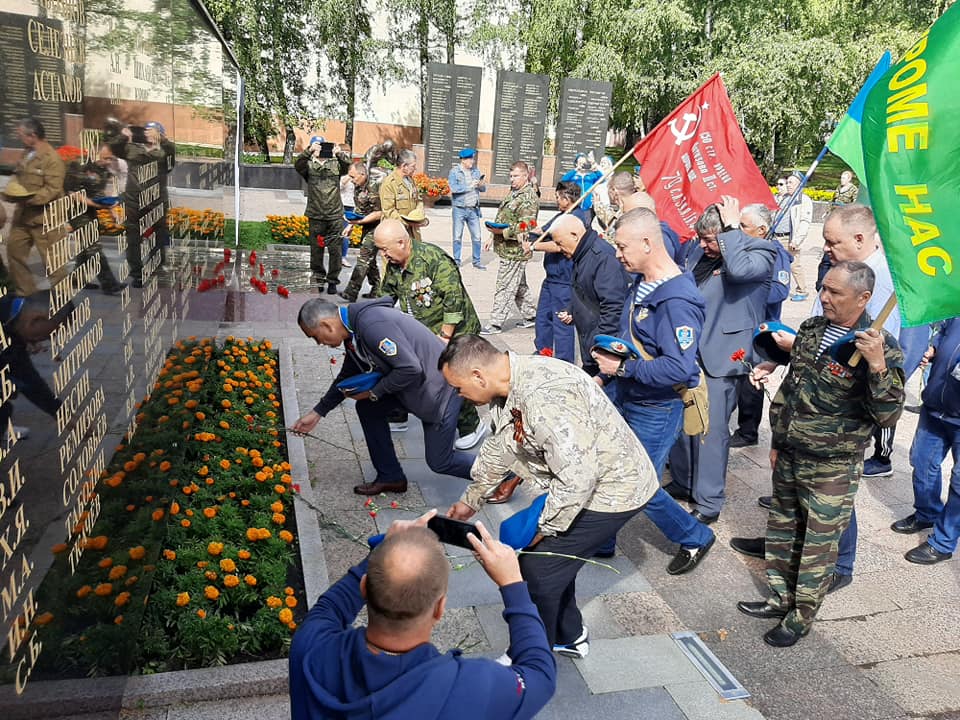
699 700
921 685
635 662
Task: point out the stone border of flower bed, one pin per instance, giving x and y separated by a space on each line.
65 698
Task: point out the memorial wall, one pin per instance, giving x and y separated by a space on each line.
100 102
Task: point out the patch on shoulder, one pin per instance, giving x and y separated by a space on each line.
685 336
388 347
783 277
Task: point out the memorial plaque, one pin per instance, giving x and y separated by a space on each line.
453 112
584 115
519 121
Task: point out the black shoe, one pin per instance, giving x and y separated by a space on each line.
926 554
877 468
765 501
369 295
686 560
705 519
782 636
838 582
677 492
754 547
114 289
345 298
910 525
375 488
739 441
331 289
605 554
760 609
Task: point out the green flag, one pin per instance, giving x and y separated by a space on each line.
911 148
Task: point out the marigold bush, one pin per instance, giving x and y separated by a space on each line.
289 229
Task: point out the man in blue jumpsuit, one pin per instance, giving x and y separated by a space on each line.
379 338
663 314
732 271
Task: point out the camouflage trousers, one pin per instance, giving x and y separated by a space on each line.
812 501
329 230
512 290
366 267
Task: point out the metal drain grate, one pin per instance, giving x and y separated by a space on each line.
726 685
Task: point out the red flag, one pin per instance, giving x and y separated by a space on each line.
695 155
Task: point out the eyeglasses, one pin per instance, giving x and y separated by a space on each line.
781 184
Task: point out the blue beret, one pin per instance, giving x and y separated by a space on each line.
359 383
352 216
843 348
467 153
519 529
156 126
766 347
316 139
616 346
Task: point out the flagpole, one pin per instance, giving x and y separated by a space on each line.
877 325
793 198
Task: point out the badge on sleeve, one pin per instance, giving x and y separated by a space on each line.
685 336
783 277
388 347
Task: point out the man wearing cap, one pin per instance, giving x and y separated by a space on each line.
822 418
322 170
426 284
661 301
517 211
732 271
399 197
366 204
555 425
466 184
157 135
403 353
39 179
801 215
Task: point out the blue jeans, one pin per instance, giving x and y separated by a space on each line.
657 424
438 440
934 439
470 216
550 332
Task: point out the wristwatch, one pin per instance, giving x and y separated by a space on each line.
371 397
621 368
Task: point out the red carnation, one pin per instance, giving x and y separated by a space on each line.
739 355
275 272
262 271
546 352
523 226
226 254
320 242
282 291
533 223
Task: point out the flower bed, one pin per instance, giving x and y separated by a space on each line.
289 229
192 561
431 186
197 224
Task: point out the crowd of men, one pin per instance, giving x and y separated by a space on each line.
593 424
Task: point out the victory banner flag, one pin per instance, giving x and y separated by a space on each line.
695 155
911 149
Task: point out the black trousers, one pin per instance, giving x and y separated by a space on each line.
552 580
749 410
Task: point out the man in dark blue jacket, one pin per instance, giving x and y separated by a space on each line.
938 433
379 338
663 314
599 284
732 271
389 670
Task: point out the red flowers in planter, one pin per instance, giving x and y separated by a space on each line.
282 291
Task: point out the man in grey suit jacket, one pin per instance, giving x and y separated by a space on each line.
732 270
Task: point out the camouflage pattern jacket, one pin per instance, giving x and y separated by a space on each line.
559 430
366 199
826 409
323 184
518 206
430 288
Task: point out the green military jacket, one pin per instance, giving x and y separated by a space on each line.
559 430
518 206
323 184
366 199
826 409
430 288
42 172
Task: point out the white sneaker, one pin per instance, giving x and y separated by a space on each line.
505 660
399 427
346 263
578 649
22 431
468 441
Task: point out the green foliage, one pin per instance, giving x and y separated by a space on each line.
254 235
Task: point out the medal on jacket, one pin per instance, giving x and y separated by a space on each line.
642 313
518 433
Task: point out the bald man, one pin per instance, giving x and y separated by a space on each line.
599 285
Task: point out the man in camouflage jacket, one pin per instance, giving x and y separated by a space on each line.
554 426
426 283
521 205
324 208
366 202
822 419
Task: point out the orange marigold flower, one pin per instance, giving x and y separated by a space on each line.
274 602
131 580
226 404
231 581
290 601
277 506
209 512
202 614
292 625
243 554
157 515
106 562
279 518
215 548
131 508
204 471
117 572
201 416
211 593
260 476
257 461
165 466
250 580
103 589
279 489
210 575
225 464
122 599
169 555
174 507
118 620
285 615
129 466
286 536
224 424
202 564
228 565
185 523
182 599
137 553
84 591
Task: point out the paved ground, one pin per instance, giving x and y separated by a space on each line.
887 647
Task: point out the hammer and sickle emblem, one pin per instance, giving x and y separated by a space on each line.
690 123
